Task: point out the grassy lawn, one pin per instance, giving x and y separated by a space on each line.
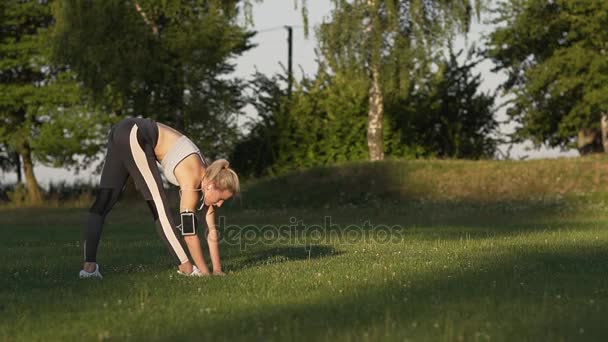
438 271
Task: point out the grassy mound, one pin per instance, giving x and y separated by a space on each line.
399 182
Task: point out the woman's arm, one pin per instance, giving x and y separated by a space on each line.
194 246
188 201
189 173
213 241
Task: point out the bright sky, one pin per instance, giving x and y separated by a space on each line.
270 17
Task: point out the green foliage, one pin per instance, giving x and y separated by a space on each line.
401 37
40 103
324 121
18 195
446 117
167 60
555 55
256 151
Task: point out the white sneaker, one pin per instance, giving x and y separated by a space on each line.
93 275
195 272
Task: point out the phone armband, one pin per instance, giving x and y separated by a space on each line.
188 223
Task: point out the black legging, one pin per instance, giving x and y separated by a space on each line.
131 153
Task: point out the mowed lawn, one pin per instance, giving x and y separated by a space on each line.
436 272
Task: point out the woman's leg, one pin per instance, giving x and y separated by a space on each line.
113 178
143 168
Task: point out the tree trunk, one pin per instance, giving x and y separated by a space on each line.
375 141
33 189
604 125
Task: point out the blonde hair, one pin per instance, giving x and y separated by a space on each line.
221 175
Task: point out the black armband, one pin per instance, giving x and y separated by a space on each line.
188 223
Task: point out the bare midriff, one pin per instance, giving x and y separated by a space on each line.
167 136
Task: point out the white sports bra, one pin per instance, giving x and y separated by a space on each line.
182 148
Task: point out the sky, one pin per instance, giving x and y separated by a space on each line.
270 17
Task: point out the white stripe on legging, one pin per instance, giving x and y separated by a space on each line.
141 162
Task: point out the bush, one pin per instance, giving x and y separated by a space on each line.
17 195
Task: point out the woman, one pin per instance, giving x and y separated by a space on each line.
135 146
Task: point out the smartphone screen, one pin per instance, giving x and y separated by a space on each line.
188 224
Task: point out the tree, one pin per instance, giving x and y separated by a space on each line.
257 150
321 123
168 60
555 55
40 111
389 44
446 116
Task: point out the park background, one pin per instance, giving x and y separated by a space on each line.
441 232
270 55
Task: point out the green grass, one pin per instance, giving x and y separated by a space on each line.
450 272
456 264
397 181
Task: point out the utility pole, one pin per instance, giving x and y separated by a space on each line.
289 58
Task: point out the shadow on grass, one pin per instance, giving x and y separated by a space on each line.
264 256
432 221
435 212
536 295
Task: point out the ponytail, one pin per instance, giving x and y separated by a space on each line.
221 175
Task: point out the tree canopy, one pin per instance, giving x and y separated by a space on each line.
41 109
168 60
555 55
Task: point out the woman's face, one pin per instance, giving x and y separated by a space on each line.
215 196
